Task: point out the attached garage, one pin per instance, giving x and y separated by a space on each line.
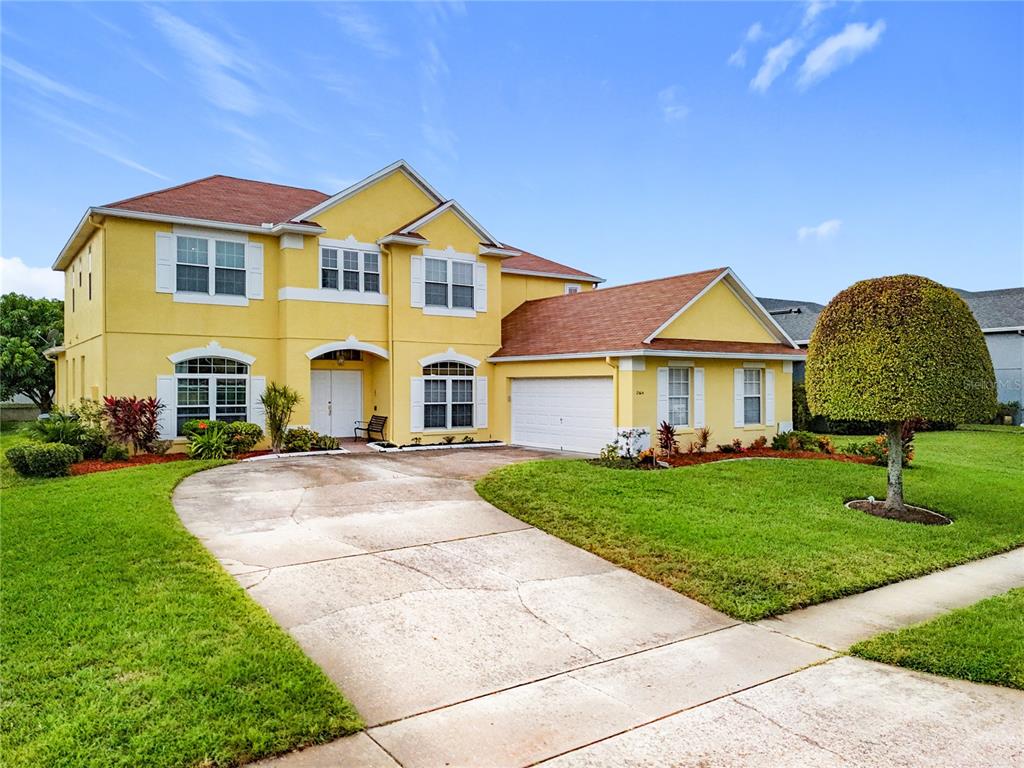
568 414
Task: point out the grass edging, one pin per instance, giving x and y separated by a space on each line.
127 644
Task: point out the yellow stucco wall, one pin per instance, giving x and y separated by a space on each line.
516 289
718 315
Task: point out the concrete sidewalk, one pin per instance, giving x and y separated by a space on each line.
838 624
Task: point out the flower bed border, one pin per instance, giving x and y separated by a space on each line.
437 446
692 459
331 452
91 466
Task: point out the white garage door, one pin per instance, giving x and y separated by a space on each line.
575 414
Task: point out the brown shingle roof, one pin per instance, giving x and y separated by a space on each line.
531 262
609 319
225 198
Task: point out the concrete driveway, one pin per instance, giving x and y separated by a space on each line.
465 637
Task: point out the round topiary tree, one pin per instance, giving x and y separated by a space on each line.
896 349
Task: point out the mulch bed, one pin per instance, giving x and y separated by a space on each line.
911 515
689 459
98 465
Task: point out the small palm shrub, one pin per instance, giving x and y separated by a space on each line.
211 444
279 401
58 427
43 460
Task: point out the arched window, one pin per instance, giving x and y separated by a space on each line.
211 388
447 395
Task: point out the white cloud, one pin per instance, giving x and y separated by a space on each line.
839 50
814 9
754 33
363 30
219 68
18 277
671 109
48 86
775 62
824 231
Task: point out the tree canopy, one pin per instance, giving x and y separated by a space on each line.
899 348
28 326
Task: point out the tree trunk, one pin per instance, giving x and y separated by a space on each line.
894 492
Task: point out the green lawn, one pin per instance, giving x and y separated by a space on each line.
983 643
125 643
759 538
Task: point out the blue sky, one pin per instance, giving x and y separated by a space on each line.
805 145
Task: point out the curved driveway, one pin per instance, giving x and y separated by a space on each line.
466 637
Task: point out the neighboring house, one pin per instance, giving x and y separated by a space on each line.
1000 313
389 299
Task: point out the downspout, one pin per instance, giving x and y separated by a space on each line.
386 250
614 363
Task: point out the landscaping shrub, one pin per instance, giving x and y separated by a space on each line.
160 447
58 427
448 439
133 421
279 403
115 452
667 437
796 441
703 435
43 459
877 448
758 443
210 444
736 446
90 413
1007 411
468 439
93 442
243 436
198 426
302 439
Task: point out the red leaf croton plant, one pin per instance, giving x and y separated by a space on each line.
133 421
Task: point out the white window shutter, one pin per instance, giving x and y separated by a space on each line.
698 398
165 259
257 413
480 287
662 395
416 404
737 391
254 270
166 393
769 397
416 289
480 403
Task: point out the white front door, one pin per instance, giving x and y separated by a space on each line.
336 402
569 414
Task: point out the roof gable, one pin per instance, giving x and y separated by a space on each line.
720 314
399 166
455 208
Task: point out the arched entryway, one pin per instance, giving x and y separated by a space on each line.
345 385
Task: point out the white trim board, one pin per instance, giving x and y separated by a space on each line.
213 349
646 353
556 275
350 343
331 296
450 355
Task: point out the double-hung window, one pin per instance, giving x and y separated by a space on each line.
193 266
448 283
751 395
348 270
447 396
679 397
211 388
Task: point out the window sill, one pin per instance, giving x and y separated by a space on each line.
331 296
183 297
449 311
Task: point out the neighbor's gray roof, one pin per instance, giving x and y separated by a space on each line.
1002 308
797 318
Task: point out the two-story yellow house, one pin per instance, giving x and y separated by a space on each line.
389 299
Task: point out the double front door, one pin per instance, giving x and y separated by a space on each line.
336 401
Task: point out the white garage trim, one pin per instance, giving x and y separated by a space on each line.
564 413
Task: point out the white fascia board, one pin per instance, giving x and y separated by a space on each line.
648 353
69 247
556 275
462 213
751 300
486 250
1006 329
231 226
52 352
402 240
398 165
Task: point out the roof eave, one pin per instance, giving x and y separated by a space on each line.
558 275
75 242
795 356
